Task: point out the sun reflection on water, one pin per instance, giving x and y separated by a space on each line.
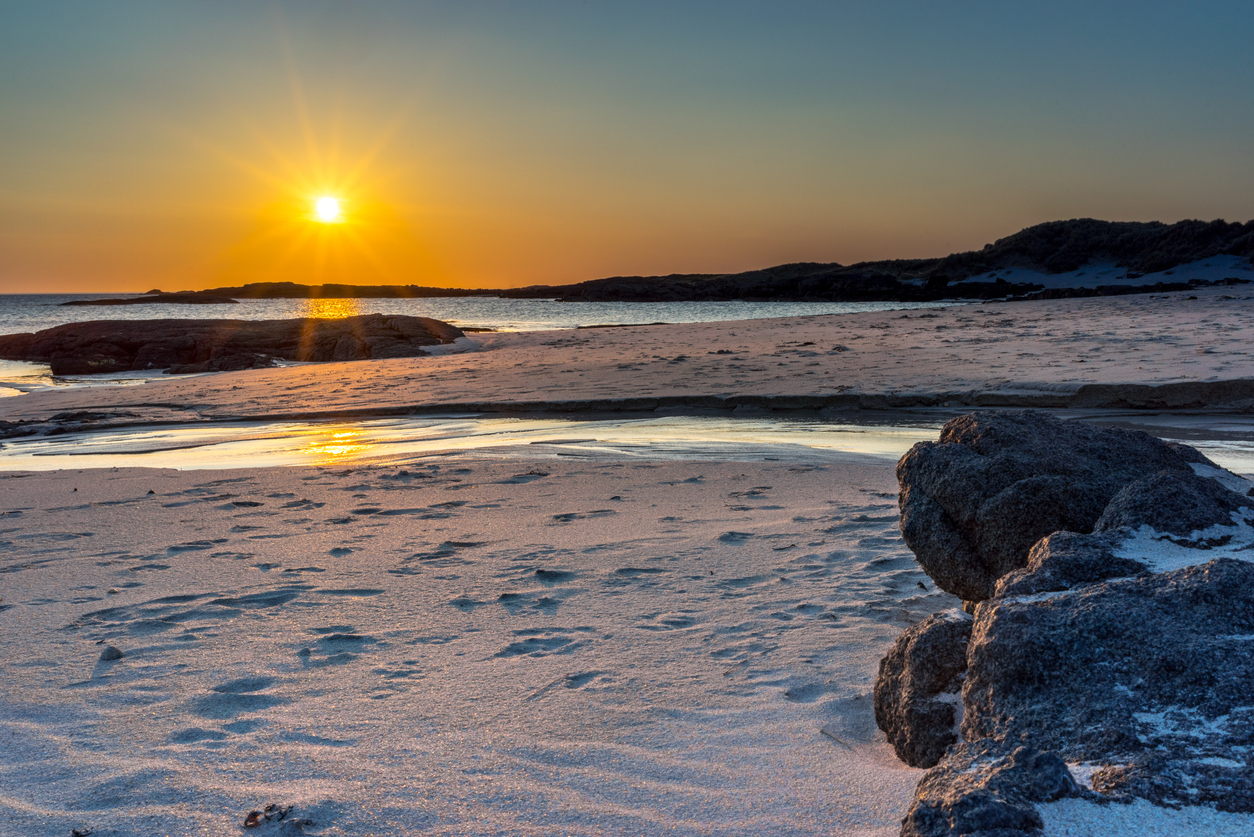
331 445
331 309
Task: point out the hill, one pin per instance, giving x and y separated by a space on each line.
1127 250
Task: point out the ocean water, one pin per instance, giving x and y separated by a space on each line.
32 312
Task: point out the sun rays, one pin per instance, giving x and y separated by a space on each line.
331 215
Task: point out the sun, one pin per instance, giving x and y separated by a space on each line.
327 210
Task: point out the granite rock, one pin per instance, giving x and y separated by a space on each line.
988 788
1122 638
1172 502
1065 560
1152 676
917 691
975 502
222 345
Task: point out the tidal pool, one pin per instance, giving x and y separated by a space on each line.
1228 440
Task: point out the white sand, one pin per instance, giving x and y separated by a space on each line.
962 354
469 649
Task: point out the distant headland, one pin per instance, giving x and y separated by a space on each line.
1080 257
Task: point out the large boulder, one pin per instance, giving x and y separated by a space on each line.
974 502
917 692
1122 639
184 346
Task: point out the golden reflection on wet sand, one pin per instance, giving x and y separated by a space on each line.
398 440
331 445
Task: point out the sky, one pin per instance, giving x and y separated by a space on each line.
177 145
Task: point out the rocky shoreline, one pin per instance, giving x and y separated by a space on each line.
1134 249
1104 651
190 346
159 297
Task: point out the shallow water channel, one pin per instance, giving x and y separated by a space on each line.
1229 440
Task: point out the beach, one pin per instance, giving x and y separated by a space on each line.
457 648
468 645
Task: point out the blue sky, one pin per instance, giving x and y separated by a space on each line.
510 143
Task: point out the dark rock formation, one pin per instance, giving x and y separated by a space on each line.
183 346
291 290
1130 648
805 282
179 298
1129 290
987 789
1173 502
974 503
1054 247
1154 674
1062 246
1065 560
916 693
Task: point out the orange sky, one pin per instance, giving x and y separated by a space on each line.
145 145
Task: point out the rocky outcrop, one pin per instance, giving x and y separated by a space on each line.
185 346
1173 502
916 693
1053 247
1064 560
157 297
974 502
1152 677
988 789
1140 247
1127 646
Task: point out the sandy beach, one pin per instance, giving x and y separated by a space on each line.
464 646
456 648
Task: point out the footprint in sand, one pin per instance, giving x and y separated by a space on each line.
555 576
633 572
735 588
337 646
537 601
237 697
668 621
544 642
568 517
447 554
195 735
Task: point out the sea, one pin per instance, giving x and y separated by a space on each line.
35 312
